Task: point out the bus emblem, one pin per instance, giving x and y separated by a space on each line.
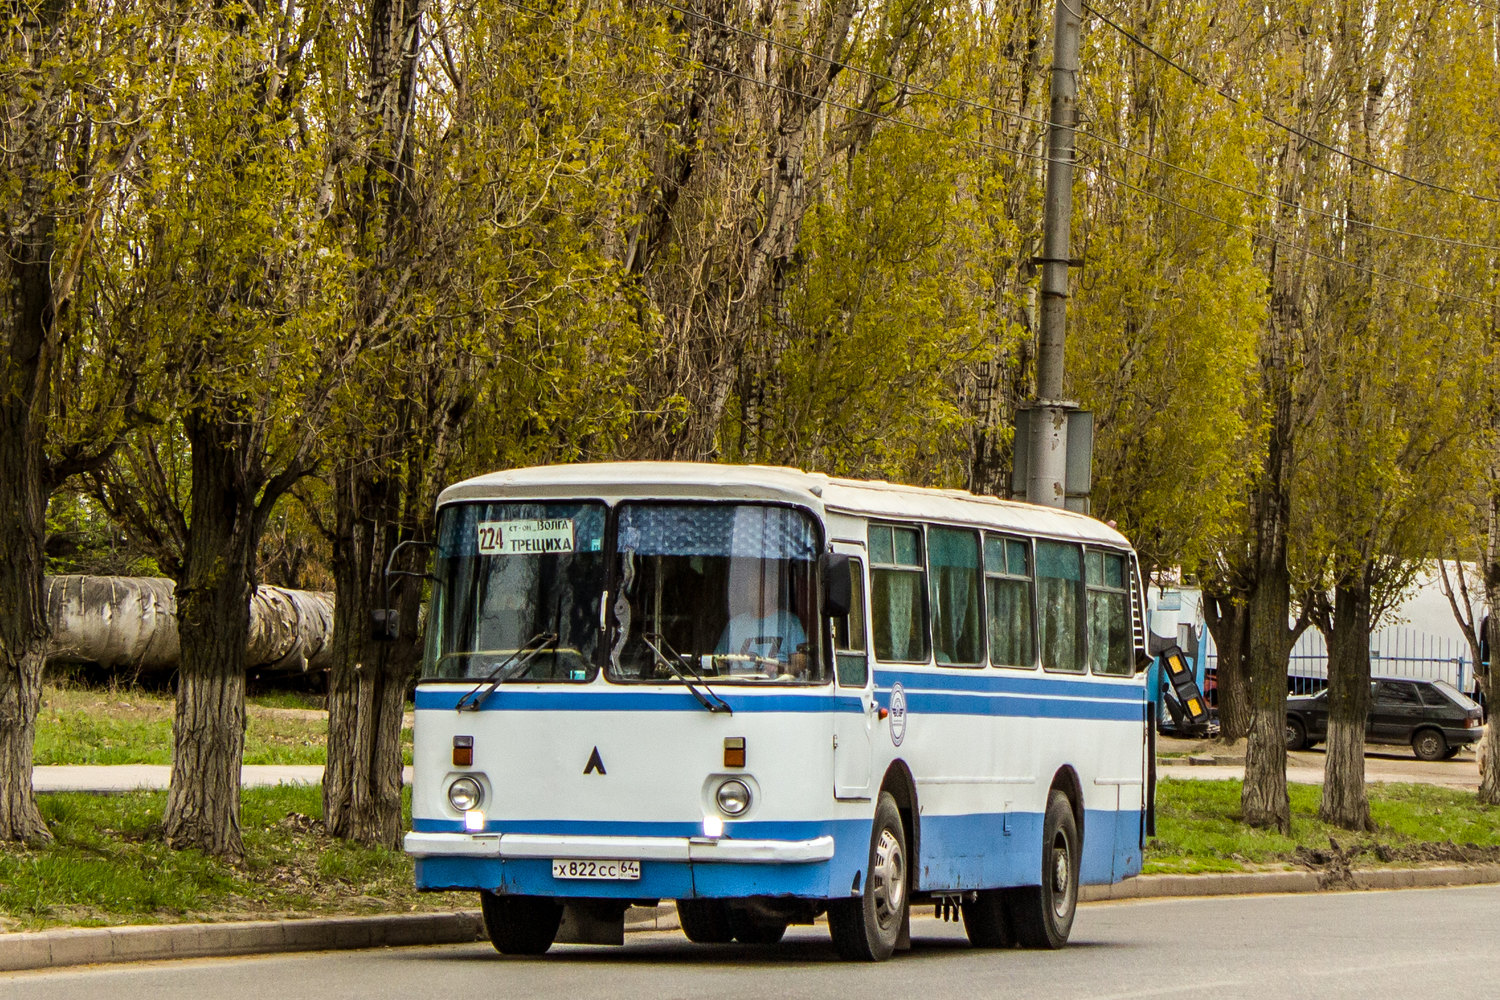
596 763
898 714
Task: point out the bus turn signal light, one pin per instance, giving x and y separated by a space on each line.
463 751
734 751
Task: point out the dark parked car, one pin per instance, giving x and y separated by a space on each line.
1434 717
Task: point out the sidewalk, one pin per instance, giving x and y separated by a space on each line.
130 777
1303 767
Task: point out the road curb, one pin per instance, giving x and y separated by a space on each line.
70 946
1258 883
95 945
66 946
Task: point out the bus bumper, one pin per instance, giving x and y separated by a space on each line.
671 867
530 845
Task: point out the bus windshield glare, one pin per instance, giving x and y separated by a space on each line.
517 593
726 587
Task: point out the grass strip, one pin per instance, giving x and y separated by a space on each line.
109 865
1199 829
130 726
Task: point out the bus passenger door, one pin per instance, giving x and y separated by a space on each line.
852 725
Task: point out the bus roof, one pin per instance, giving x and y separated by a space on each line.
820 492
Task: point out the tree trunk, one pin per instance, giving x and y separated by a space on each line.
367 679
23 625
1344 801
213 620
367 682
27 357
1228 623
1263 798
1489 786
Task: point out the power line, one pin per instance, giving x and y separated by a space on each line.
710 67
1300 248
1290 205
969 102
1355 158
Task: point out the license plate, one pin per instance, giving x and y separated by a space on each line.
575 868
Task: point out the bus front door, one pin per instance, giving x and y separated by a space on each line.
852 726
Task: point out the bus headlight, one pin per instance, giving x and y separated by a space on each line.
465 794
733 797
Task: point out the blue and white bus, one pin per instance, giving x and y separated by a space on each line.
770 695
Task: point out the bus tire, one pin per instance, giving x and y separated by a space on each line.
705 921
987 919
1043 914
520 925
866 929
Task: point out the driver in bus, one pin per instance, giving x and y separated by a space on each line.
760 625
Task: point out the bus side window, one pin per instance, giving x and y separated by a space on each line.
898 594
957 615
1012 602
849 632
1059 587
1108 613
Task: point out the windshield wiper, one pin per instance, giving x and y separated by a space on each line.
508 669
717 705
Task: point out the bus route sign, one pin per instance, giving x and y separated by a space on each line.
525 538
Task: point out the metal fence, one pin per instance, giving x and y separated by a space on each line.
1394 652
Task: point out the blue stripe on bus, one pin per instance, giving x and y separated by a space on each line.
956 853
918 700
960 680
625 700
1016 706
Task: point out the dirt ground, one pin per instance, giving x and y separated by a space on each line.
1213 759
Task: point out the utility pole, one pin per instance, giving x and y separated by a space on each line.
1047 426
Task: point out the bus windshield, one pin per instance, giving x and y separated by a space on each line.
723 589
517 592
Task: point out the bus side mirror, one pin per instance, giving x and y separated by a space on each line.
385 623
837 595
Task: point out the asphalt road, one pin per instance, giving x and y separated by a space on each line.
1412 943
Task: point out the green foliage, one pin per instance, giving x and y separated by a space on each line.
81 538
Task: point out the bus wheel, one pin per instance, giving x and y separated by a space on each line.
520 925
1044 913
705 921
987 920
866 929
